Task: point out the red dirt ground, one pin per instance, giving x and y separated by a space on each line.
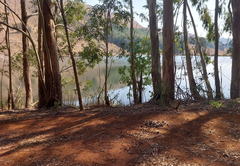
195 134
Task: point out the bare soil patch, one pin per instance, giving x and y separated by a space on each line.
195 134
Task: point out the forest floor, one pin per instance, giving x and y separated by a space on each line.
146 134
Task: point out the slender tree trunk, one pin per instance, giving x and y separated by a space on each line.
216 73
72 57
49 98
192 83
52 62
10 93
155 54
135 95
140 84
168 39
107 54
41 96
235 84
205 75
26 71
2 82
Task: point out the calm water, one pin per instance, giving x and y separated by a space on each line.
117 90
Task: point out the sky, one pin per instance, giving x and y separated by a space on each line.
138 7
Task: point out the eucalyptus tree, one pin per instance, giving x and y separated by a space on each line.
26 67
103 17
235 83
72 56
155 53
142 59
135 95
10 92
205 75
168 36
192 83
213 33
41 84
51 58
216 73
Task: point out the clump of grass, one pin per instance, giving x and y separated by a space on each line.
215 104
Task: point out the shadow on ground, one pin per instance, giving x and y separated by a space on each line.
145 134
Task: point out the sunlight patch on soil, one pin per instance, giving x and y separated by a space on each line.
133 135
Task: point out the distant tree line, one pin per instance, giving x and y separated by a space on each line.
120 37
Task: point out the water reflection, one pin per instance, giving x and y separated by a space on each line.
117 90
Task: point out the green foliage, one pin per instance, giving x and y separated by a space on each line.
74 12
17 61
215 104
228 23
91 54
66 81
233 104
178 40
206 18
142 61
56 105
88 85
119 37
207 58
105 17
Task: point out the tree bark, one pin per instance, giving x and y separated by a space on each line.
168 39
41 95
192 83
72 58
26 70
135 95
107 102
216 73
155 54
10 93
205 75
51 58
235 84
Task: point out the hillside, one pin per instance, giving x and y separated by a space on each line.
136 25
15 36
115 41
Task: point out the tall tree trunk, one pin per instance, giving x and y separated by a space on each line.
51 58
135 95
41 96
155 54
192 83
168 39
235 84
10 93
217 82
26 71
107 54
205 75
72 57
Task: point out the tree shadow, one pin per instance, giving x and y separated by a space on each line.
117 136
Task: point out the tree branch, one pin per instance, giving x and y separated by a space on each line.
61 25
31 15
34 48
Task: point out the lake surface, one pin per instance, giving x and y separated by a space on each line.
119 91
